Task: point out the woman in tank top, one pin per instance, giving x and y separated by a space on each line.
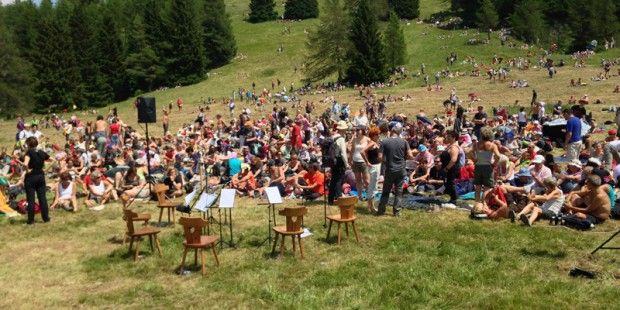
372 161
357 162
66 193
485 154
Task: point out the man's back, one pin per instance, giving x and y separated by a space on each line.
573 125
394 154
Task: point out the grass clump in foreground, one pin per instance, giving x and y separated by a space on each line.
419 260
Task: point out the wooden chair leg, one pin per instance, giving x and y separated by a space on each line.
357 238
275 241
135 258
202 261
151 243
329 229
346 228
183 259
124 237
217 261
173 210
282 245
293 237
301 246
338 233
130 243
161 214
157 245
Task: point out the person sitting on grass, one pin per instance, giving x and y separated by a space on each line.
4 200
100 190
174 181
495 204
591 202
548 204
66 194
314 183
244 182
134 181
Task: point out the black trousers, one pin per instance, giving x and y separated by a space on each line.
396 180
451 175
335 183
36 184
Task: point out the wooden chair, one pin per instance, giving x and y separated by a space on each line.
139 217
137 234
164 202
346 216
192 230
294 219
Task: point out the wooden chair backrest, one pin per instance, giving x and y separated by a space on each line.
192 228
160 190
294 217
129 216
347 207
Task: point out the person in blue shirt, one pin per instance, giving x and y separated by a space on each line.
234 164
572 139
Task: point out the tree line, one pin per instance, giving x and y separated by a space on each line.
348 44
570 24
89 53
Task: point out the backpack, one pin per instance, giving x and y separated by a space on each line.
22 207
332 152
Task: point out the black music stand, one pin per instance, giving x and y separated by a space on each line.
273 198
227 203
603 247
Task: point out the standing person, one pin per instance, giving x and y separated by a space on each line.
166 122
451 163
572 140
480 120
485 153
180 103
356 159
394 152
338 163
34 180
460 115
101 132
371 157
521 120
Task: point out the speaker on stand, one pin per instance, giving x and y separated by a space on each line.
147 113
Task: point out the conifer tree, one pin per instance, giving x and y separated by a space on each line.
15 77
142 66
487 17
528 21
112 56
186 63
366 57
395 45
301 9
262 10
54 62
407 9
217 34
156 34
328 44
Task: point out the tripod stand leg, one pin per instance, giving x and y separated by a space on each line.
602 246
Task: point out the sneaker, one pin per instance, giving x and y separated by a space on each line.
512 215
525 220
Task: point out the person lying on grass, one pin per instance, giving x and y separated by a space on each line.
591 202
66 193
100 190
548 204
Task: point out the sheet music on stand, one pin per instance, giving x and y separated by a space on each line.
273 195
227 198
190 197
205 201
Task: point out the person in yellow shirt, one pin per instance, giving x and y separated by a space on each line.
4 201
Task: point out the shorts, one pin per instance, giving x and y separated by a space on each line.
483 175
360 168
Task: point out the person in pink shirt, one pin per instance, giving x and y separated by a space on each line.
539 172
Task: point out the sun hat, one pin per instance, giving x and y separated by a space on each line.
342 125
539 159
422 148
244 166
575 163
612 132
524 172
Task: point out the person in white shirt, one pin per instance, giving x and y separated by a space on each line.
361 120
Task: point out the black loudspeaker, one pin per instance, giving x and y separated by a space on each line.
147 111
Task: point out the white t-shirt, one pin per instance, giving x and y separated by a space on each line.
522 117
615 145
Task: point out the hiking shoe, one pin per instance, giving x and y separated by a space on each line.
525 220
512 215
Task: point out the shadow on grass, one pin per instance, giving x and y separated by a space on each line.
542 253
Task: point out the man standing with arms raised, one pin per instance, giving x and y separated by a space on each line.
394 152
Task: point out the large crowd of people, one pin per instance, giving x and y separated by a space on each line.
500 159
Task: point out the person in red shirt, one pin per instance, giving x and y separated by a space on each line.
296 140
115 132
315 183
180 103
